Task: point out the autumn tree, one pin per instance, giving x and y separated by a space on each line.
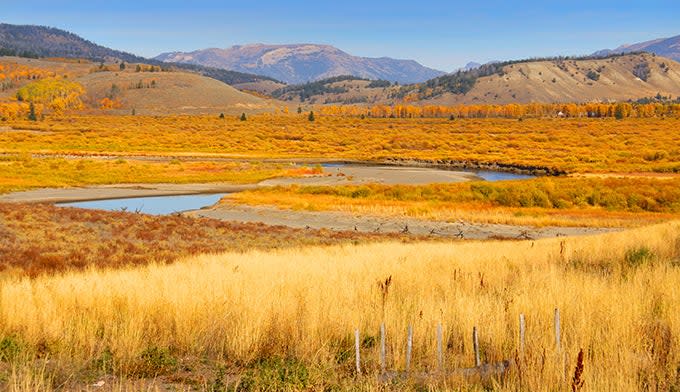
57 94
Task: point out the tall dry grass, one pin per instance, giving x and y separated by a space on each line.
618 296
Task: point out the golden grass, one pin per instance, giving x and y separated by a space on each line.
20 172
617 294
574 145
548 201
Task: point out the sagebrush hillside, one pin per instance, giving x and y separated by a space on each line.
614 78
120 89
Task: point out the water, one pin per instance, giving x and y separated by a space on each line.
164 205
489 175
156 205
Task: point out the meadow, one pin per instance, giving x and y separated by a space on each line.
154 303
571 145
23 171
284 319
544 201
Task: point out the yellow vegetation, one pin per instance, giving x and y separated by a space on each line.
59 94
617 294
540 202
24 172
571 145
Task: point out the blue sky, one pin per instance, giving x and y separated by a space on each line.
439 34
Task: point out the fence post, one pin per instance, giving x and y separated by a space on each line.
522 329
383 360
357 351
409 348
475 345
440 353
557 329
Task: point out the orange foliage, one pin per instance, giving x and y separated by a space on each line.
107 103
513 110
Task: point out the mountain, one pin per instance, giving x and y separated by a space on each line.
614 78
667 47
471 65
41 41
302 63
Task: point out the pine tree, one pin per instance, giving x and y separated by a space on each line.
311 116
243 117
31 112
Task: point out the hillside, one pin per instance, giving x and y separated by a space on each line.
666 47
168 92
303 63
615 78
40 41
618 78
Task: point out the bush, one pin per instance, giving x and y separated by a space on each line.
638 257
276 374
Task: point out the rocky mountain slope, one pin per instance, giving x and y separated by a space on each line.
303 63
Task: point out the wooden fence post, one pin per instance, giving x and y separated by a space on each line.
475 345
522 329
383 359
409 348
357 353
557 329
440 353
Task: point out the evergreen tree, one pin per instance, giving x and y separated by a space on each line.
243 117
122 66
31 112
311 116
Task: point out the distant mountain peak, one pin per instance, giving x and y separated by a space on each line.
667 47
303 62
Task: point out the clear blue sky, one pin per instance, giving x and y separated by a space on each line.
439 34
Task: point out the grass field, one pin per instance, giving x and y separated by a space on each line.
573 145
561 201
22 171
284 319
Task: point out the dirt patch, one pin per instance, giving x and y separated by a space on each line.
339 221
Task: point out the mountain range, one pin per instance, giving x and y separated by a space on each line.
301 63
666 47
41 41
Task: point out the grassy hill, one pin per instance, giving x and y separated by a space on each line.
134 87
614 78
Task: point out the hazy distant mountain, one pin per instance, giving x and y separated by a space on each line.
303 63
41 41
471 65
667 47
